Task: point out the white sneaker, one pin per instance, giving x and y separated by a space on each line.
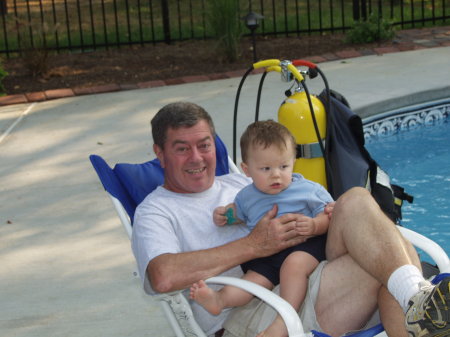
428 313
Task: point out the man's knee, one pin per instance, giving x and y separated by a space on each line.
355 194
352 200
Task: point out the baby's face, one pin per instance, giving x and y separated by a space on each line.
270 168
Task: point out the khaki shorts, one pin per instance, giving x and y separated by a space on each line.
249 320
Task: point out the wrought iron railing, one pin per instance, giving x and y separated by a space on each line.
85 25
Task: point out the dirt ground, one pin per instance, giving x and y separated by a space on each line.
131 65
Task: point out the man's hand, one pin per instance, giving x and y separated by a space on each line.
272 235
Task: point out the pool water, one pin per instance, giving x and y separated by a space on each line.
419 160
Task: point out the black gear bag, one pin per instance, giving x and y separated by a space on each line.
349 164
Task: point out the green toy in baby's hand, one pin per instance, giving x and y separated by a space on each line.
230 217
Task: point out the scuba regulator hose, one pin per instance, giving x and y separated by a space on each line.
276 65
270 65
236 104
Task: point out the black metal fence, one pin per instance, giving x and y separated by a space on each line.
84 25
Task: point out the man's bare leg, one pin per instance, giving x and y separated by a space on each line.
391 314
294 274
359 228
347 297
364 248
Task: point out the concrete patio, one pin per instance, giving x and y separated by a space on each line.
67 266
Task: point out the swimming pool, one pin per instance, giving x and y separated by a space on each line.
412 145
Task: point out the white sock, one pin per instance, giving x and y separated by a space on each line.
404 284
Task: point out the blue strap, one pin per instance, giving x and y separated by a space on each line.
373 331
439 278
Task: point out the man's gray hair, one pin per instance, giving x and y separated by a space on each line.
177 115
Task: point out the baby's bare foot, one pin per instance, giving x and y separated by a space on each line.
206 297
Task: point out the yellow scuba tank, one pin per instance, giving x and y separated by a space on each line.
295 114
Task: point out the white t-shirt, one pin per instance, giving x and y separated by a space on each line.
168 222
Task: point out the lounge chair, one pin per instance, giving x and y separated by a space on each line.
128 184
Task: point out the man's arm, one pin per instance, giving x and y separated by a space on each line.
169 272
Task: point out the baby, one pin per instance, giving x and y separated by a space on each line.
268 157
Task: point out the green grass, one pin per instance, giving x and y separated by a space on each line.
141 21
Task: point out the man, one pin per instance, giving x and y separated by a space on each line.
176 243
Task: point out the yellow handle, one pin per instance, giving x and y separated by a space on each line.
266 63
295 72
273 68
274 65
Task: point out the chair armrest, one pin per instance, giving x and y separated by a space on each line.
429 246
285 310
232 166
123 215
179 313
181 318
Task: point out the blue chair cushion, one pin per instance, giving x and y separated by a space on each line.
140 179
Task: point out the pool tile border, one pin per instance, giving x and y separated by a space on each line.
407 118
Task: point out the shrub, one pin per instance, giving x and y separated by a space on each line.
374 29
223 17
34 53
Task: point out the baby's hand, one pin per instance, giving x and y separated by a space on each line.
219 217
329 209
305 225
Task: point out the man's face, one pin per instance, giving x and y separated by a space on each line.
188 158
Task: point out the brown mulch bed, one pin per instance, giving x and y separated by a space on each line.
131 65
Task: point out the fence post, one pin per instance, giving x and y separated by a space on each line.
3 7
166 21
359 10
364 10
356 10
